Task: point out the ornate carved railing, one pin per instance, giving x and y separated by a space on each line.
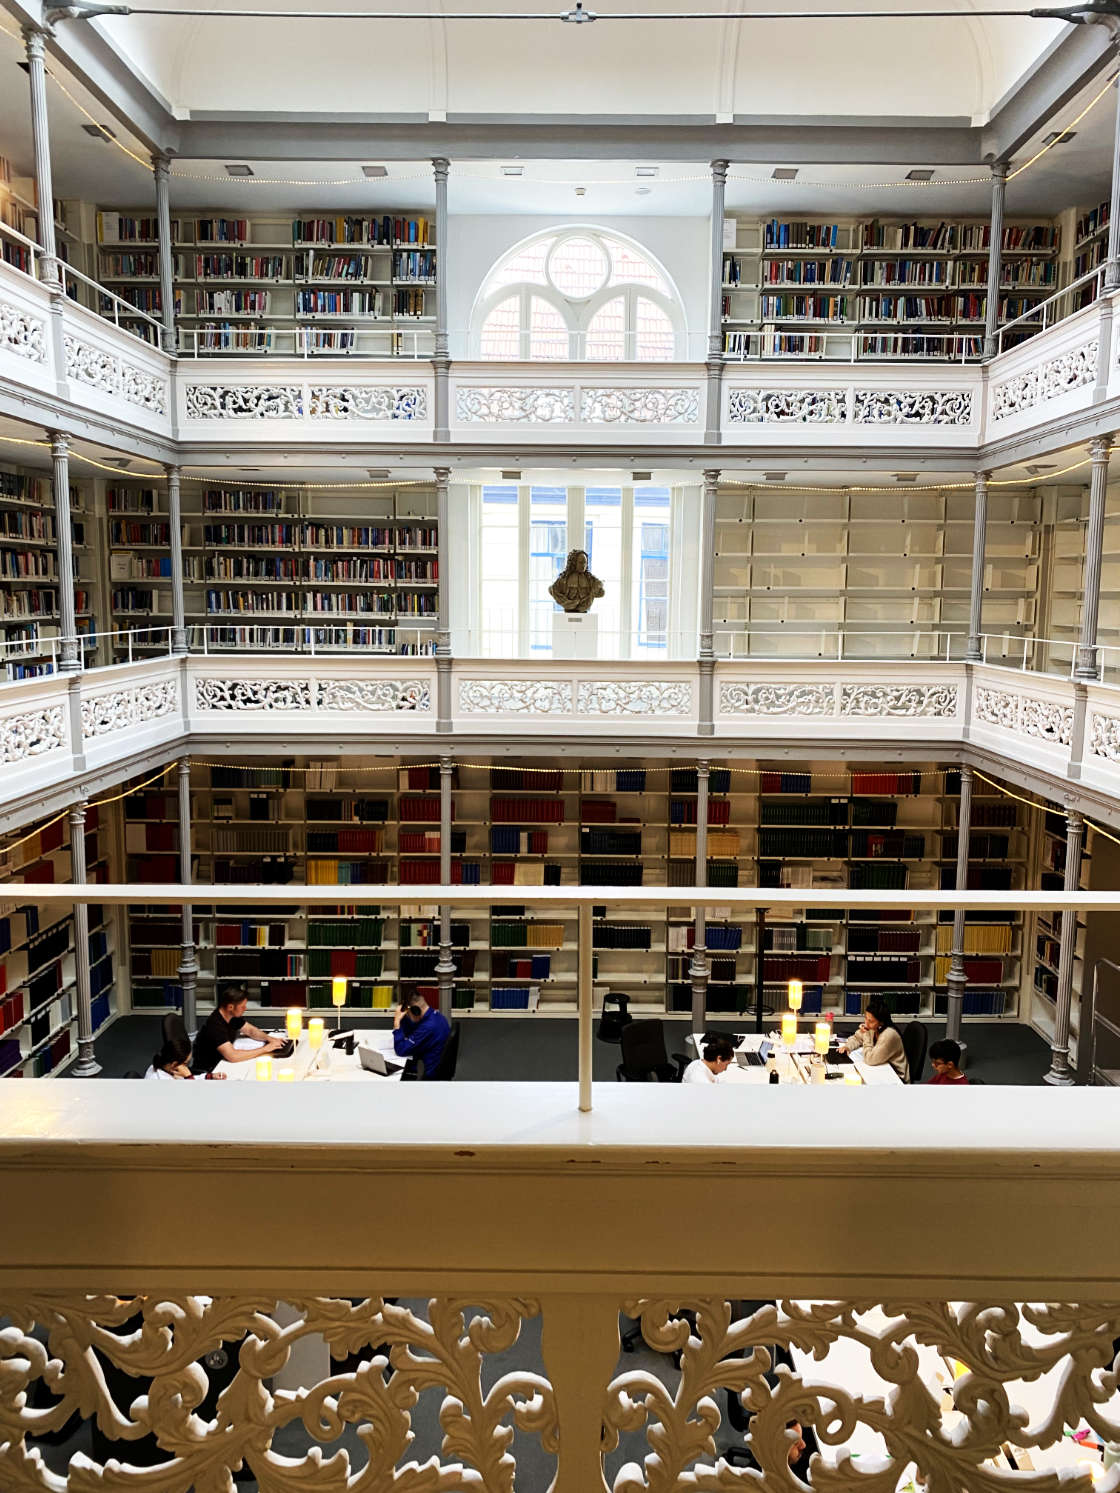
424 1289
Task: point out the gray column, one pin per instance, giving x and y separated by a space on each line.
445 964
584 960
69 655
34 38
1088 664
1112 262
178 600
161 166
442 359
706 651
995 248
1060 1072
957 978
715 305
87 1065
974 652
700 969
188 957
443 628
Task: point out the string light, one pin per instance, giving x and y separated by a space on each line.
841 488
97 803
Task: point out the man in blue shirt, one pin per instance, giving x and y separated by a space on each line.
421 1031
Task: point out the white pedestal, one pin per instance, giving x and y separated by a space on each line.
575 635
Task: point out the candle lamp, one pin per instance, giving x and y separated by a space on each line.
294 1023
286 1076
852 1077
789 1029
315 1033
820 1042
795 995
338 997
264 1069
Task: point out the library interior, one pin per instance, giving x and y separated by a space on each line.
769 411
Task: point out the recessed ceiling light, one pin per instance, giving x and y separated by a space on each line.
239 170
124 462
922 175
775 476
375 171
906 476
784 173
378 473
642 191
581 191
99 131
1056 137
513 170
1036 470
646 170
641 476
509 475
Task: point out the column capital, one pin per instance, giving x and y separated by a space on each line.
711 475
702 767
60 443
78 812
161 164
441 166
1074 819
35 41
719 171
442 475
1099 448
172 470
982 479
999 170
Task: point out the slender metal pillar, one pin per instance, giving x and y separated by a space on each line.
188 955
445 965
34 38
442 359
583 976
706 652
712 419
1088 664
69 654
1060 1073
957 979
974 652
87 1065
1112 262
443 600
178 599
700 969
995 254
161 166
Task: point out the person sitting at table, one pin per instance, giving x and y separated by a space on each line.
944 1059
173 1060
877 1039
718 1055
419 1030
221 1029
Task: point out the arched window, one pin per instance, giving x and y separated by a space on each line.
578 294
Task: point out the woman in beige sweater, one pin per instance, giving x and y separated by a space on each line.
877 1040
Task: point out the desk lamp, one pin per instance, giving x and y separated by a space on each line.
338 996
293 1022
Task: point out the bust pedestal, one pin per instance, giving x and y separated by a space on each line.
575 635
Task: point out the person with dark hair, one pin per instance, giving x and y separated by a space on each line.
877 1039
419 1030
718 1055
173 1060
944 1059
221 1030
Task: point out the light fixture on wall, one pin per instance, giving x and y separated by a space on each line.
239 169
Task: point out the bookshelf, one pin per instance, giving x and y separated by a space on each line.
792 569
1050 866
29 606
1068 516
277 283
140 566
890 288
1090 247
38 1001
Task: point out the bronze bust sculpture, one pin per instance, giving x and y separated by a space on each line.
575 588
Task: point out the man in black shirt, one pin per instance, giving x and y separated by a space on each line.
222 1028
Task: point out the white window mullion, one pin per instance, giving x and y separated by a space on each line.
523 526
626 610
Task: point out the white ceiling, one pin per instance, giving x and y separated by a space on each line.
435 64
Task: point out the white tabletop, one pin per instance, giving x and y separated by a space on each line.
328 1065
799 1067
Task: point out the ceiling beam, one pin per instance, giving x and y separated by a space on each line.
1080 55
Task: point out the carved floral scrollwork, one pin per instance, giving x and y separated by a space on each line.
499 405
165 1344
22 333
786 407
32 733
103 370
243 401
368 402
1104 736
252 694
777 699
997 707
633 697
1069 370
916 700
639 406
1025 715
120 709
1002 1345
515 697
912 407
374 694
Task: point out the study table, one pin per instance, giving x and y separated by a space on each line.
327 1065
798 1068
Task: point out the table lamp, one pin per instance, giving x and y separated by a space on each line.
264 1069
820 1038
853 1078
294 1023
789 1029
338 997
286 1075
315 1033
795 993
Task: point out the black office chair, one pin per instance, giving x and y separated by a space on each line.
974 1081
173 1027
644 1058
444 1070
413 1069
915 1040
615 1015
132 1073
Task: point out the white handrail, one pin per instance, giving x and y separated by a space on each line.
1051 300
120 307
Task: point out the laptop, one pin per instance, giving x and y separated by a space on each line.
374 1061
757 1059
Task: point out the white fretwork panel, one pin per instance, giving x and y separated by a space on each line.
499 405
373 402
1104 736
634 697
375 696
912 407
1025 715
122 709
32 733
103 370
917 701
22 333
515 697
777 699
1070 370
786 407
639 406
243 401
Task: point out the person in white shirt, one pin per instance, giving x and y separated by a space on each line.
173 1060
719 1054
